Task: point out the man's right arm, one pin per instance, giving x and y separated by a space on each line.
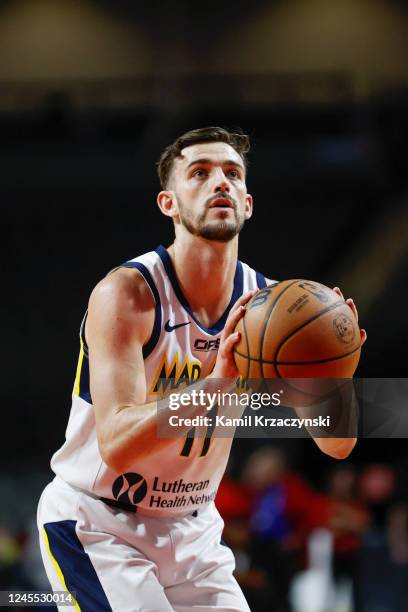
120 320
119 323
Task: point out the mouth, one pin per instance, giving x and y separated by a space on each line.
221 203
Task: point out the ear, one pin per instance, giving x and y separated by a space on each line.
167 202
248 206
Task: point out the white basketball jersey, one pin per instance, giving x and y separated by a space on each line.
186 473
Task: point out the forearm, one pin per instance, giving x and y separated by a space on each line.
134 431
129 428
338 448
340 437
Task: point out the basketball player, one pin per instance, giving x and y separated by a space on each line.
129 522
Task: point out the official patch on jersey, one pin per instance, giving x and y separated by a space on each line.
201 344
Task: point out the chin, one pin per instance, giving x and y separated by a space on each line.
220 232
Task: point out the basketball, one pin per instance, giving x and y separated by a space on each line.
297 329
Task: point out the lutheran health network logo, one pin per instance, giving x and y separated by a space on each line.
131 488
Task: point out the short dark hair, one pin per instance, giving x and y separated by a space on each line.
237 139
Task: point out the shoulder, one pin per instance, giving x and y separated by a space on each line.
123 296
253 278
126 285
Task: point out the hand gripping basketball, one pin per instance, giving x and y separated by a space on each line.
225 366
298 329
354 310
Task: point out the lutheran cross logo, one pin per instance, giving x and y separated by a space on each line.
129 488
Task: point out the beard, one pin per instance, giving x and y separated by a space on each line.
218 230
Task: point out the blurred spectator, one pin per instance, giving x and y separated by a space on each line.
397 533
32 564
348 520
259 590
233 503
384 564
313 589
284 507
384 557
9 559
232 497
377 487
281 511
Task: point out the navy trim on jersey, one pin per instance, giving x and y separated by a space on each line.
82 334
147 349
84 386
236 293
79 574
260 280
113 503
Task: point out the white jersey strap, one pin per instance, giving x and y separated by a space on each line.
236 293
151 343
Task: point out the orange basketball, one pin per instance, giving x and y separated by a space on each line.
297 329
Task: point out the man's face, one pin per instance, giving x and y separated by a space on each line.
208 181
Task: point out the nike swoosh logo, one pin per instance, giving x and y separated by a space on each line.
170 328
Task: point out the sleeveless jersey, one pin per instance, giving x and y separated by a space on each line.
186 473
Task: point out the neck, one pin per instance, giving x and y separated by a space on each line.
205 271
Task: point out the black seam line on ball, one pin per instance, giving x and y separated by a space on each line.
266 320
290 363
305 323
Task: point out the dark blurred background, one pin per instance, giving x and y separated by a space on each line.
90 94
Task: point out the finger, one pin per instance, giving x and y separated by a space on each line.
236 312
338 291
232 321
230 342
350 302
363 335
244 299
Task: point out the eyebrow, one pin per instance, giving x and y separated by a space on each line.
206 161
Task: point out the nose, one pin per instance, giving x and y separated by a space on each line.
221 182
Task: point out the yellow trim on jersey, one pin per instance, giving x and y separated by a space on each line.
58 569
79 368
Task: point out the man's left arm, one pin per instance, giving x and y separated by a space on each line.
339 447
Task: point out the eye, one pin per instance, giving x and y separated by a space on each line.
199 173
234 174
